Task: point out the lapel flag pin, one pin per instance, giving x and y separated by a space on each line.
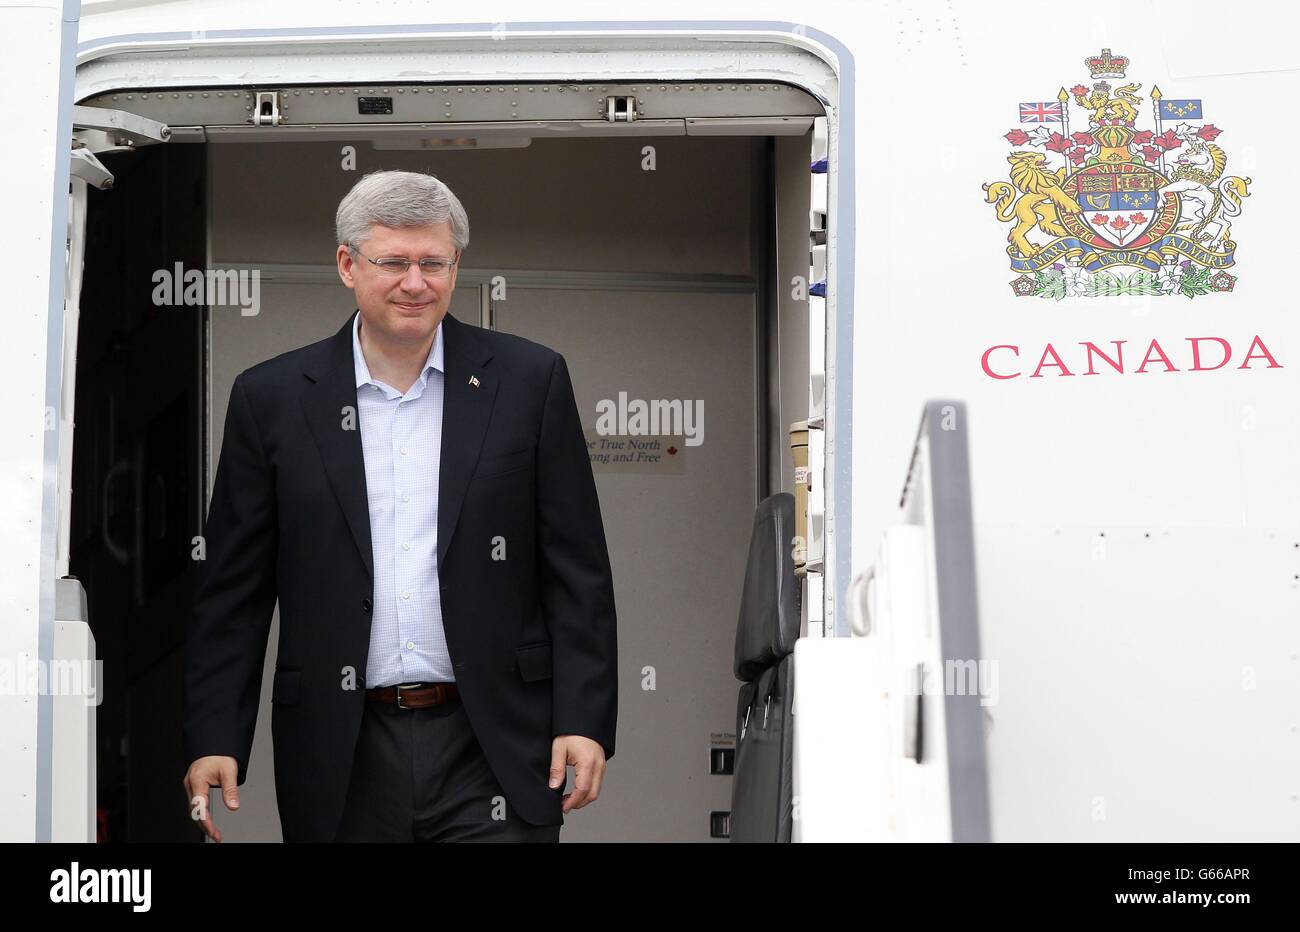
473 380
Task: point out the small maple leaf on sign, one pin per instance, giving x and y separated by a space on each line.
1139 217
1017 137
1082 139
1078 90
1209 132
1077 156
672 451
1143 137
1101 219
1058 143
1150 153
1119 224
1167 140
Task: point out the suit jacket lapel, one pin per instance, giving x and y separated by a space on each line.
469 392
331 409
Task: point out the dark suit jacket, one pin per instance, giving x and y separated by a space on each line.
531 637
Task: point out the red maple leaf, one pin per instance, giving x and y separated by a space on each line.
1078 90
1058 143
1143 137
672 451
1167 140
1078 155
1119 224
1017 137
1082 139
1139 218
1208 132
1101 219
1150 153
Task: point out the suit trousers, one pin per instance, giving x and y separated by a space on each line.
421 775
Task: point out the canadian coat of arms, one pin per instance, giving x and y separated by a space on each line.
1131 210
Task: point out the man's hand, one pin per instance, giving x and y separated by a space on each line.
588 760
207 772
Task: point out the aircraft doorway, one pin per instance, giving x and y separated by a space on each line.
672 285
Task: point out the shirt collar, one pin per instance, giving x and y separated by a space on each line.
363 377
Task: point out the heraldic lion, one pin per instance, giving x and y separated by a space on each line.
1040 196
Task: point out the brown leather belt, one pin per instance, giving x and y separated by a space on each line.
414 695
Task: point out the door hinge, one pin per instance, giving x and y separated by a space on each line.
619 109
266 109
120 127
96 130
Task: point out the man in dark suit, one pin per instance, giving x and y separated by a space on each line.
417 495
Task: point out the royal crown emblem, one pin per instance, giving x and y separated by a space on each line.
1134 208
1106 65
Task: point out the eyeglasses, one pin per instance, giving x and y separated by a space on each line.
396 266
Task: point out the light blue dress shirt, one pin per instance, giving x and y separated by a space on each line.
401 440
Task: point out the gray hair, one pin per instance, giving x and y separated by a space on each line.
399 199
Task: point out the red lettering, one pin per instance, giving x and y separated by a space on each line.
1049 350
1119 354
1155 354
1263 351
1155 348
984 360
1196 353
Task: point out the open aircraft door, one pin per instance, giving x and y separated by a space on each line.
47 652
37 43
